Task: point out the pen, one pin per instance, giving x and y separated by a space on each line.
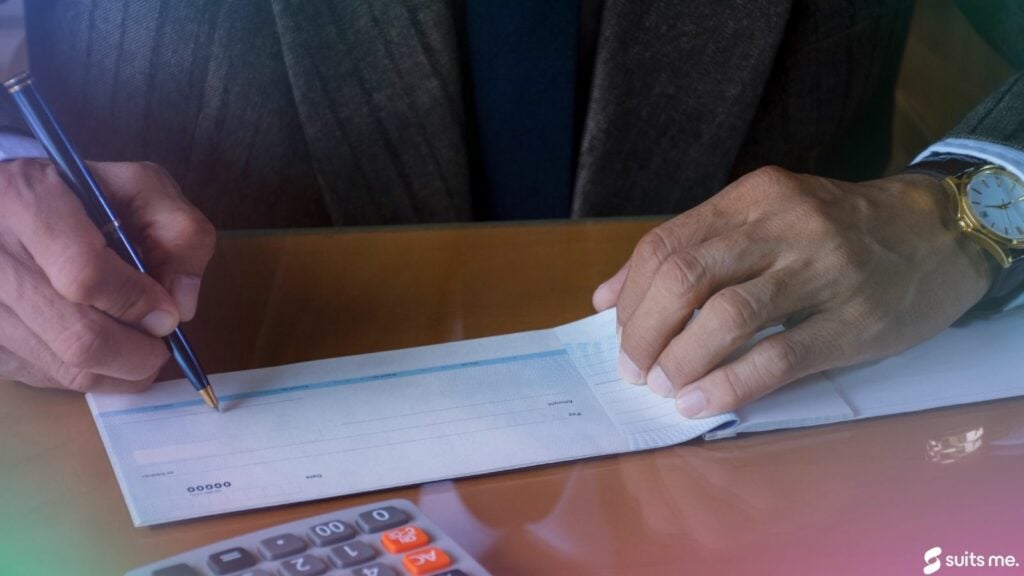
77 176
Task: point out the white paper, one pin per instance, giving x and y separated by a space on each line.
360 423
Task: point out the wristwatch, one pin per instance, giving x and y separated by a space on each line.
987 201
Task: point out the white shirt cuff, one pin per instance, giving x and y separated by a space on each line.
14 145
1006 156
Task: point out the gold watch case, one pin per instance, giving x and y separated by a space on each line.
999 246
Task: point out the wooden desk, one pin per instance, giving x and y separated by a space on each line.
864 498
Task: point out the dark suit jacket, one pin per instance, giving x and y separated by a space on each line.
308 113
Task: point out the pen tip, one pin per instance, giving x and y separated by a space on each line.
210 398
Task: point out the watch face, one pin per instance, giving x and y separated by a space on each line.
996 200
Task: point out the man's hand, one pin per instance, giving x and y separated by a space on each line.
72 313
853 271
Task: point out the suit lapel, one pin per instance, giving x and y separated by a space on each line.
377 87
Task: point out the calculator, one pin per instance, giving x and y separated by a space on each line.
388 538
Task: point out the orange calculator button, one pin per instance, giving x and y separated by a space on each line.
404 538
425 561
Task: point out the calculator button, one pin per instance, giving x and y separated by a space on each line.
426 560
403 539
305 565
176 570
382 518
282 545
231 560
353 553
375 569
256 572
455 572
331 532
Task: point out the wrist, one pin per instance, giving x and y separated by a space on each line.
929 197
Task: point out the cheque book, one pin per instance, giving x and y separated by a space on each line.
360 423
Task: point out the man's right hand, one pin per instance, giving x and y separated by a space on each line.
72 313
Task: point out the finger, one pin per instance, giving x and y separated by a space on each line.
688 229
683 282
75 381
80 336
53 228
27 359
807 348
175 237
607 293
728 320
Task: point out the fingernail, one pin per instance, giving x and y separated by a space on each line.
691 402
159 323
659 383
185 290
628 370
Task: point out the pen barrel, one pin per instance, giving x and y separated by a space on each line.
186 359
69 165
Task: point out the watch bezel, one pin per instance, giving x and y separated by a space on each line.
969 223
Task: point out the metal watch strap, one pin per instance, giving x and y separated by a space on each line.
1007 283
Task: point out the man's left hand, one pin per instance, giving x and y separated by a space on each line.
853 272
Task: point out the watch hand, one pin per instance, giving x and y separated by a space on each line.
1002 206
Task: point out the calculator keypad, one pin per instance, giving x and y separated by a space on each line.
391 538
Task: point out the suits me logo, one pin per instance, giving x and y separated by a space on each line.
934 560
932 563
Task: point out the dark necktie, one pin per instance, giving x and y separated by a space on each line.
521 74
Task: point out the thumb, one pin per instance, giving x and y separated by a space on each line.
176 239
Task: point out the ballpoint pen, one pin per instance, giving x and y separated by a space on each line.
76 175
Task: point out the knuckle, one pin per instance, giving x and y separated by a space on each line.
734 389
768 178
78 346
682 273
151 171
193 233
77 275
652 247
780 359
736 309
204 235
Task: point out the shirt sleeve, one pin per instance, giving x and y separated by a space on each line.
14 145
1006 156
